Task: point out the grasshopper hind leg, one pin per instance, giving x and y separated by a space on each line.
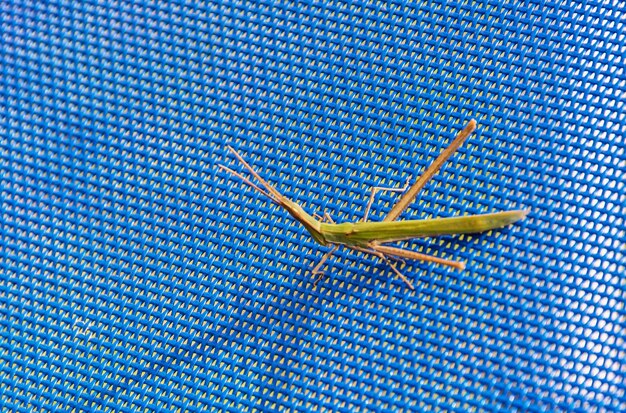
387 260
387 254
398 272
412 255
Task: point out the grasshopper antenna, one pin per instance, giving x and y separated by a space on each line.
266 189
273 191
247 181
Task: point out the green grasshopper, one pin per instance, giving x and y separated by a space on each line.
371 237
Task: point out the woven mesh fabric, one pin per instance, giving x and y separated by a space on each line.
136 276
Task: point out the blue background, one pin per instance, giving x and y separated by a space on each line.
135 275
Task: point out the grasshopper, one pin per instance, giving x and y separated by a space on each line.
372 237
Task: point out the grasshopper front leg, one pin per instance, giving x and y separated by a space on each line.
373 194
316 271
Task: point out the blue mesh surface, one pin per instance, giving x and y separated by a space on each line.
136 276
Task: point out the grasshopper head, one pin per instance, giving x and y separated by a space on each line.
310 223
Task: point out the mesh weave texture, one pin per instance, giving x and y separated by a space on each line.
136 276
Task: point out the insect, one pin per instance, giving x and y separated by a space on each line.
373 237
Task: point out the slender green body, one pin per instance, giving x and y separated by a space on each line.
363 233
